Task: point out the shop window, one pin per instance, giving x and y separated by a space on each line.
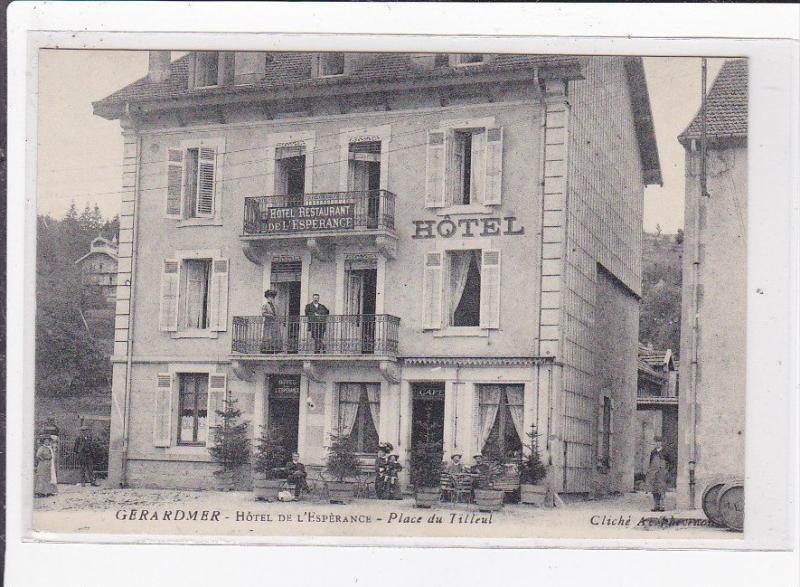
331 64
206 69
359 414
192 408
501 421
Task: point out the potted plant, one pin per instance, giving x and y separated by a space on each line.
231 447
270 458
487 498
343 465
426 464
532 472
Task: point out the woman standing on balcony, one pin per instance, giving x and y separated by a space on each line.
271 334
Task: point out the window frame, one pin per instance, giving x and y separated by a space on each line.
363 393
183 294
183 218
459 60
203 56
322 63
179 376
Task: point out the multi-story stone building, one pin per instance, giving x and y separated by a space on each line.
472 222
714 300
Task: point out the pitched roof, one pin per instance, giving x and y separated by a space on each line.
293 69
726 106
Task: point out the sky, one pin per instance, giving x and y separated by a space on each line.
79 154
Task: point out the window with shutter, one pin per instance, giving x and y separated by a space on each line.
192 408
432 291
174 183
492 194
168 315
217 389
490 289
162 422
204 207
219 295
435 169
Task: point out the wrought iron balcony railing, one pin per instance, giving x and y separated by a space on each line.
357 334
319 212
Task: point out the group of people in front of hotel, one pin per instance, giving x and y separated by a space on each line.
45 477
271 336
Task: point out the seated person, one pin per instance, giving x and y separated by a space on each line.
455 466
384 449
392 484
297 475
482 471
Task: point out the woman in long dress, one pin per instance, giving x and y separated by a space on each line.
45 469
271 335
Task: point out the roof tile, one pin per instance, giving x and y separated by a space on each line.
726 105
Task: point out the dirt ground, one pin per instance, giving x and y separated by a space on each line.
98 510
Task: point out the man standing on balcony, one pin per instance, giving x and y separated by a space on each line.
317 315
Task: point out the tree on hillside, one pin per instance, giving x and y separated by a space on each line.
68 359
660 309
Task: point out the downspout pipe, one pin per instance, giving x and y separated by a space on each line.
696 292
131 310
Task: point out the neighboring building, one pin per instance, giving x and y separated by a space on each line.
98 267
656 408
473 223
713 320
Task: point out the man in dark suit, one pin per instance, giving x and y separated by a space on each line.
297 475
317 315
84 450
656 478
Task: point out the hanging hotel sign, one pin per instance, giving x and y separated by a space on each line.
284 387
467 227
309 218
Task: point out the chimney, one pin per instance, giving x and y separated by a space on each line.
158 68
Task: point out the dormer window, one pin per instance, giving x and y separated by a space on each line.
470 59
331 64
206 69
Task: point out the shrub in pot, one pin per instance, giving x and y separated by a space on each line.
426 463
231 447
270 458
532 472
486 497
343 465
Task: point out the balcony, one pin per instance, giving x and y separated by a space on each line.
300 337
319 218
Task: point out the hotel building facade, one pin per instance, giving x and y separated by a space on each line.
472 222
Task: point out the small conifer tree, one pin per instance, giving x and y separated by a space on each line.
231 447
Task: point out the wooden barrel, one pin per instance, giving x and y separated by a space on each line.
730 505
710 502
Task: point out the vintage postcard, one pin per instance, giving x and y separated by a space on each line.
304 295
391 294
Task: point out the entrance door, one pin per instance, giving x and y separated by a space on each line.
284 408
361 303
427 416
287 304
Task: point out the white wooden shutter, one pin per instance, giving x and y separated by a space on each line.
490 289
162 424
493 178
478 158
170 284
217 389
174 183
218 321
432 291
435 169
206 180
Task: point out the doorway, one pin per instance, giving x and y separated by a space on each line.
285 280
365 177
427 415
361 280
283 411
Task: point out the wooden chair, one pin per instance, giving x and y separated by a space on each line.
447 483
